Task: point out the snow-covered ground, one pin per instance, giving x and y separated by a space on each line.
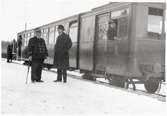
75 97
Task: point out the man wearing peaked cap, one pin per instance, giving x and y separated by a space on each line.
37 52
61 55
111 32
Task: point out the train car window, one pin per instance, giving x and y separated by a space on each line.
42 33
56 34
155 22
121 19
45 35
51 35
25 39
32 34
102 26
73 32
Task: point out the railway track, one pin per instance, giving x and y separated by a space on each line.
157 96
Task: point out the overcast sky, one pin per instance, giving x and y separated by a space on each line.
15 13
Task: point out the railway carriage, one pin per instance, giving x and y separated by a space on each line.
49 33
135 55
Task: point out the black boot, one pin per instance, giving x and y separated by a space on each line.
40 81
57 81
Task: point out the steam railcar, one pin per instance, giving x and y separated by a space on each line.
135 55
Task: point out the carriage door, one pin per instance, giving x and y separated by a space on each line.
111 45
101 42
73 32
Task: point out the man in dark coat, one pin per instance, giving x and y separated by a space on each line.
61 55
19 44
37 52
111 32
9 52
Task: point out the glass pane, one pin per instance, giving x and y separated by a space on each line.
73 32
102 26
121 19
45 35
56 34
51 35
25 42
122 27
42 33
25 38
32 34
154 24
155 11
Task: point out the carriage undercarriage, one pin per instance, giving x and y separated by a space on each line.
151 84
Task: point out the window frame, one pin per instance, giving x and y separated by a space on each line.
155 33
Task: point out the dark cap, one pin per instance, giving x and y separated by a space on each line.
61 27
111 21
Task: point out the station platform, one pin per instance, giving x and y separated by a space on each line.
76 97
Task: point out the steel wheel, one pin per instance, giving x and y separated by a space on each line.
151 85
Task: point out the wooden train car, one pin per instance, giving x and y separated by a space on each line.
137 51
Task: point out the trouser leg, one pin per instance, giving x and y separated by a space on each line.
39 69
59 74
34 75
7 58
64 75
19 51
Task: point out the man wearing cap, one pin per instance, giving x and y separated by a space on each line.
19 44
9 52
37 52
111 32
61 55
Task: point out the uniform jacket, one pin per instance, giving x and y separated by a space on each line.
111 33
37 48
61 48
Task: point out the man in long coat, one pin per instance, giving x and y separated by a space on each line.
9 52
61 55
19 44
37 52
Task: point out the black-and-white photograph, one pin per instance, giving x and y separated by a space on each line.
83 57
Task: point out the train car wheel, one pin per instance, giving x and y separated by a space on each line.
151 85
